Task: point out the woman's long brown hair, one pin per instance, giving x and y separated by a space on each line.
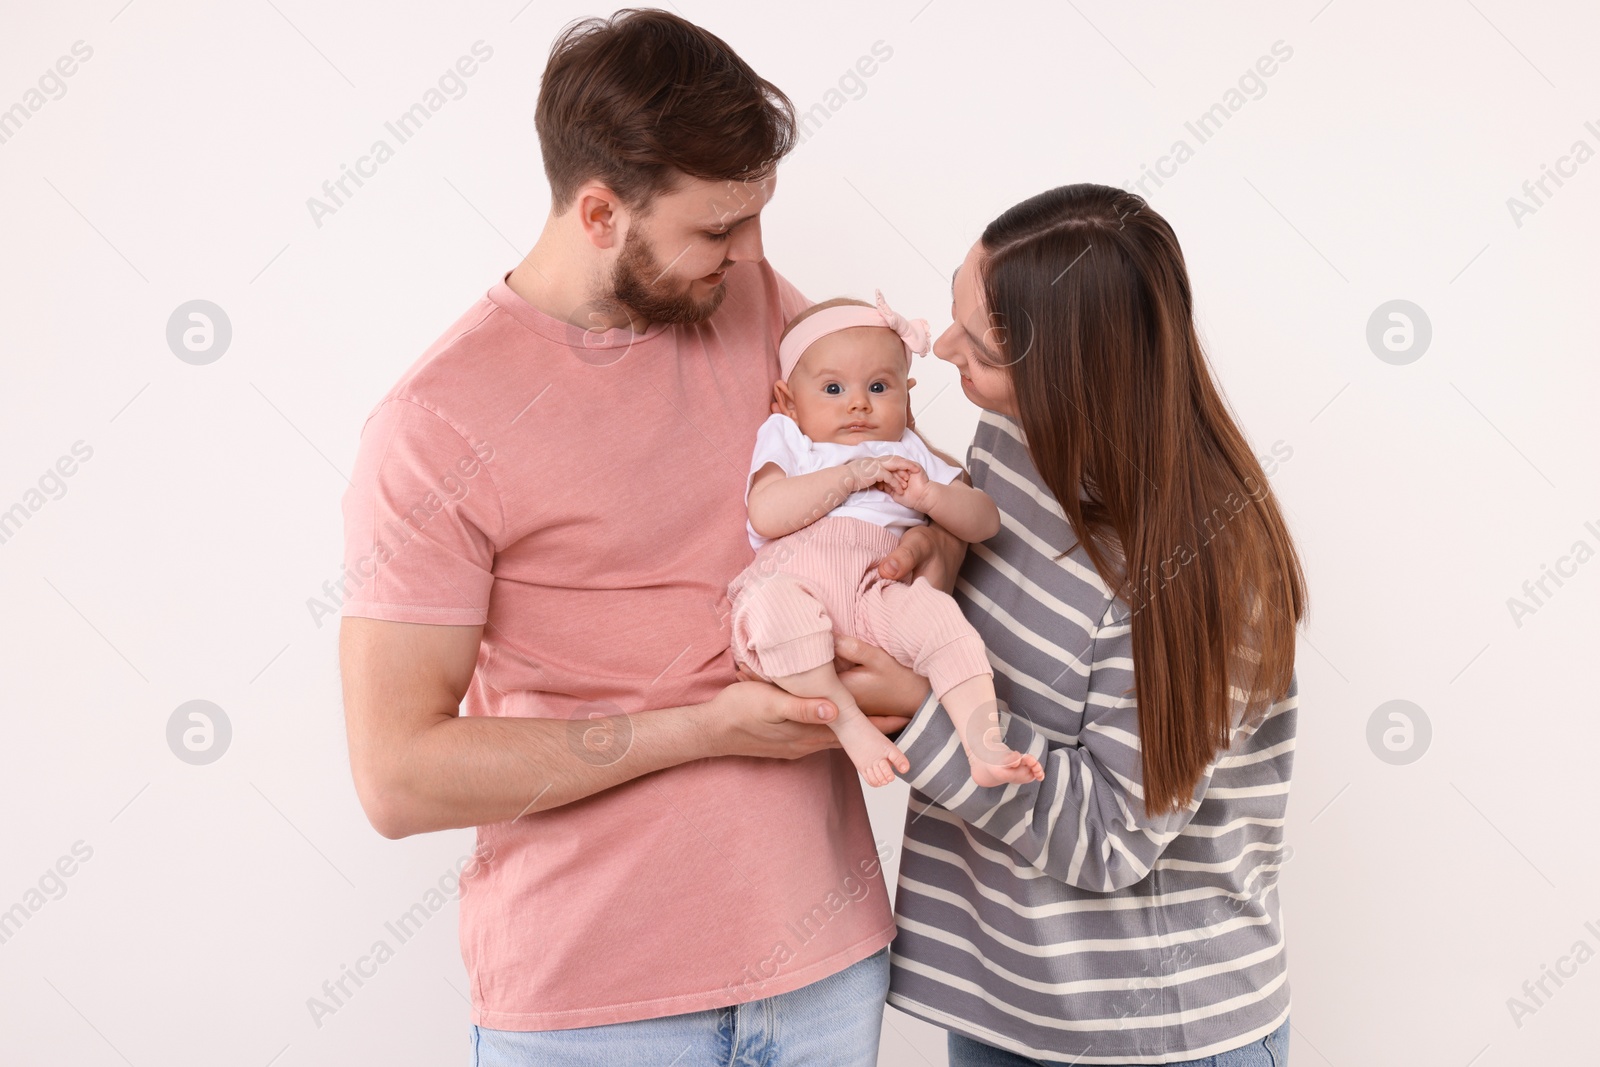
1090 307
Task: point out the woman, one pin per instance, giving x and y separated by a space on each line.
1139 608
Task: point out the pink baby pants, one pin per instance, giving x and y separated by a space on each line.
823 577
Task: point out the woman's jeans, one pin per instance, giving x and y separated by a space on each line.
834 1020
1270 1051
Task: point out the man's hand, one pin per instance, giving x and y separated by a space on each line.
754 718
764 720
928 551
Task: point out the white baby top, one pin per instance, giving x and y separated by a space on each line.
781 441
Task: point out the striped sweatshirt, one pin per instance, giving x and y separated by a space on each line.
1054 919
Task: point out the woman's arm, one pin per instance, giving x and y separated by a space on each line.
1085 823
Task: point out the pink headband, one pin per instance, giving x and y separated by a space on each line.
913 332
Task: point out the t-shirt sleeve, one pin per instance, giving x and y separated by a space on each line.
777 442
935 468
421 521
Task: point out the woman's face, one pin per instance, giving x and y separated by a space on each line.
969 342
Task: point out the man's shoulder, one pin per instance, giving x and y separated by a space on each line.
759 274
464 368
761 300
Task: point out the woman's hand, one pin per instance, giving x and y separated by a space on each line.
926 551
886 691
880 684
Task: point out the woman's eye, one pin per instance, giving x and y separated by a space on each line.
717 235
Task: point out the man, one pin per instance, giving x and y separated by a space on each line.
544 517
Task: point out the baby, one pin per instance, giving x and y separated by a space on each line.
833 484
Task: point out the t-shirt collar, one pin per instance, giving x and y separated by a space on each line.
554 329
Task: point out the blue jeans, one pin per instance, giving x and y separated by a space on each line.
834 1020
1270 1051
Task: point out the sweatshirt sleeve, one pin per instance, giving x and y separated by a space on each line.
935 468
1085 823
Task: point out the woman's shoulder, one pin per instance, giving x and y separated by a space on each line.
1118 614
991 424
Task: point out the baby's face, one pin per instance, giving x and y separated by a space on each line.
850 386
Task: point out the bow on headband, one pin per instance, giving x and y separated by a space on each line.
913 333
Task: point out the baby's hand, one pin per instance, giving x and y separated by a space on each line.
871 472
906 482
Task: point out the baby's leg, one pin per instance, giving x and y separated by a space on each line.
875 756
923 627
783 632
976 714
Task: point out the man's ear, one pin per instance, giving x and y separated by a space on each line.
601 215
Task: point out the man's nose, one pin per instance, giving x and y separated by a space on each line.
745 244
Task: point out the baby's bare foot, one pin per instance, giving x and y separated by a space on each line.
1010 768
874 755
879 773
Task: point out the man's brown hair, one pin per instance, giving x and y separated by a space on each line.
635 99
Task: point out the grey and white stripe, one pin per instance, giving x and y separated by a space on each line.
1054 919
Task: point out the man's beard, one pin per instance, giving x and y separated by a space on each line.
638 282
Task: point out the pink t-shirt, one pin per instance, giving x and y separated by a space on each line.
582 496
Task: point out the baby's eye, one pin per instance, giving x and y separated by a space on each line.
831 388
875 386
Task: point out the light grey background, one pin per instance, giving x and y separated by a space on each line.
175 564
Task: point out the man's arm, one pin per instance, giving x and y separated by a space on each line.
419 765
